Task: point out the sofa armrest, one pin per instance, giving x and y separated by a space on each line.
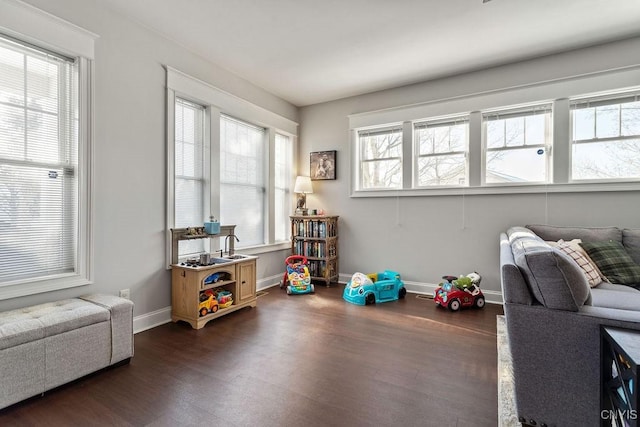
514 288
556 360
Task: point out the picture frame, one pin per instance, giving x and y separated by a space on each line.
322 165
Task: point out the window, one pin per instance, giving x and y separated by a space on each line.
380 153
283 160
190 184
441 152
228 158
242 180
517 145
606 138
43 170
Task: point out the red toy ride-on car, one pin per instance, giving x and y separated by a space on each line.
455 292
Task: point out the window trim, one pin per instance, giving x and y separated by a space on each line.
217 102
557 92
31 25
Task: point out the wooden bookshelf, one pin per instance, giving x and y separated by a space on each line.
316 237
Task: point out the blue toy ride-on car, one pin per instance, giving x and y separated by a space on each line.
365 289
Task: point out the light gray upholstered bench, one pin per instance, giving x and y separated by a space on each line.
47 345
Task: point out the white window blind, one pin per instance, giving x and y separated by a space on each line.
242 179
38 163
282 200
189 171
380 158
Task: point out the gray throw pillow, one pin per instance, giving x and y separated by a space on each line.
554 278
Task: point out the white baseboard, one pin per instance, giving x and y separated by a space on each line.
162 316
151 320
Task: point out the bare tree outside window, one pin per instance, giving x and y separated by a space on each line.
606 140
442 152
381 158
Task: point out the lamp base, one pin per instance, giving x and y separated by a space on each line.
302 211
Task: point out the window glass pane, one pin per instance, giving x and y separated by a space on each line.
495 134
282 164
630 118
189 177
378 146
380 158
242 189
516 166
584 123
514 131
535 128
606 160
382 174
442 170
38 164
608 121
437 164
617 157
511 162
459 138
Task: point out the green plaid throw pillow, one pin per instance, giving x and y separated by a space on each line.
613 261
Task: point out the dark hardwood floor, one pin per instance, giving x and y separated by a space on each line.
305 360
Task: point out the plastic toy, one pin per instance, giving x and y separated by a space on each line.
208 303
365 289
457 292
224 297
296 277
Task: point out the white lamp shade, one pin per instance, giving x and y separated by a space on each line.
303 185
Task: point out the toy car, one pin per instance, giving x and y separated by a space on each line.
455 293
208 303
365 289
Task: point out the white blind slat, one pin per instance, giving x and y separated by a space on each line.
38 162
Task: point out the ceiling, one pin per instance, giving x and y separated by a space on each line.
311 51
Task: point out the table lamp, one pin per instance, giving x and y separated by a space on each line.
302 188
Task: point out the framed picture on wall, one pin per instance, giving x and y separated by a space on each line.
322 165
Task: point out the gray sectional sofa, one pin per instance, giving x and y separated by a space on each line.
47 345
554 319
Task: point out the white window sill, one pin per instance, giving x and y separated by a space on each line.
575 187
20 288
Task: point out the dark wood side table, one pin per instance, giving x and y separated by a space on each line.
620 354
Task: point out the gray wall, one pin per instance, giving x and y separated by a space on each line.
422 237
426 237
130 153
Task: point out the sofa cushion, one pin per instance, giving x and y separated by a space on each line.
620 297
631 242
554 278
577 253
586 234
614 262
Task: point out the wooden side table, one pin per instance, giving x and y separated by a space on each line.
620 355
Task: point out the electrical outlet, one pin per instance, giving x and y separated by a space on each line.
125 293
